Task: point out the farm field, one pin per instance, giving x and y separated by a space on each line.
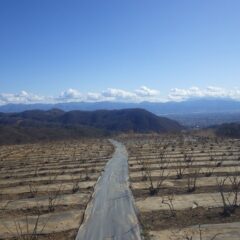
186 187
45 188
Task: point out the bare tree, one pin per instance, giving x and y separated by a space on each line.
182 165
24 231
53 195
168 200
229 199
188 234
154 186
216 161
192 176
75 184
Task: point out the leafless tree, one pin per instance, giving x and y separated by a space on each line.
75 184
229 199
53 195
188 234
182 164
24 231
168 200
154 186
192 176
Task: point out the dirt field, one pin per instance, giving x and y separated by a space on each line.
186 187
45 188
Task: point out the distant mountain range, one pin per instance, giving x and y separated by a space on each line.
34 125
195 112
185 107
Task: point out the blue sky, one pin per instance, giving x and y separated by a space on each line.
73 47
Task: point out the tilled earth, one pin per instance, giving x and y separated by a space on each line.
177 183
45 188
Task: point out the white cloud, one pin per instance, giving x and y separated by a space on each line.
147 92
22 97
177 94
113 94
70 94
119 94
138 95
91 97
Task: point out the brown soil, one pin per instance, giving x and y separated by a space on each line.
161 220
33 175
144 193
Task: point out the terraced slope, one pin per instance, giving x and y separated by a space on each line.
45 188
179 184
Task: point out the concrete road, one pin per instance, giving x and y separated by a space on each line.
111 212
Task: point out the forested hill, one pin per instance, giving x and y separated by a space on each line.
231 130
54 124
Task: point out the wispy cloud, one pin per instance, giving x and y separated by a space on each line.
113 94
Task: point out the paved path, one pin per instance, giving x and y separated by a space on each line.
111 213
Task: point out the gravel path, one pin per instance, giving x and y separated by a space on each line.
111 213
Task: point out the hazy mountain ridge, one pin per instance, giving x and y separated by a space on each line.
184 107
202 112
